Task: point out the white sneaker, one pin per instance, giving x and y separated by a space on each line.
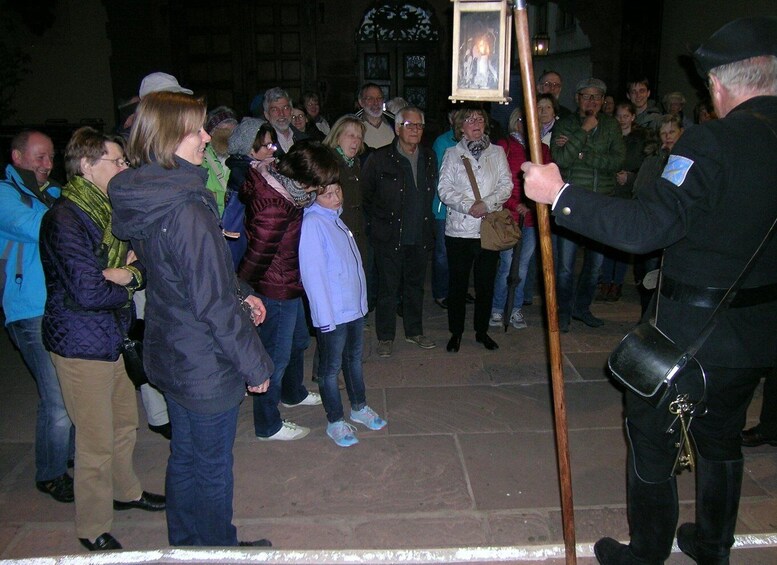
289 431
312 399
517 321
496 319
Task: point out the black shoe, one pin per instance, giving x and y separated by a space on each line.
454 343
588 319
487 342
469 299
165 430
60 489
442 303
148 501
257 543
104 542
753 438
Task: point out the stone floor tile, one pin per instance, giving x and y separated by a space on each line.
481 409
407 532
379 475
527 527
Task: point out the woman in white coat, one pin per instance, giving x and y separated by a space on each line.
465 214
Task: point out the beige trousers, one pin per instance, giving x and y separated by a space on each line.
101 402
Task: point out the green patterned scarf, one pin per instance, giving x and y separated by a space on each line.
95 203
350 161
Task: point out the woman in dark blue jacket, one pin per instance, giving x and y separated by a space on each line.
200 336
90 278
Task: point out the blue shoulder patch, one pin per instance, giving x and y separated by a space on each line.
676 169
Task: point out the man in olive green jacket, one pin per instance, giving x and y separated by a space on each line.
588 148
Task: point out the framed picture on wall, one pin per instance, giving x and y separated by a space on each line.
481 51
376 66
415 66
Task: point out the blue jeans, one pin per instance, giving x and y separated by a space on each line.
54 433
341 347
439 262
199 484
571 299
614 266
284 334
528 246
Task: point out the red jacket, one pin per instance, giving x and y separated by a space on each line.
516 155
273 223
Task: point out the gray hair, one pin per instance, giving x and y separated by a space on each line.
399 117
754 76
274 94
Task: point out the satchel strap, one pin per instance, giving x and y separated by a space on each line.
471 175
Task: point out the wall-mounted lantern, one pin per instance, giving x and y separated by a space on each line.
540 44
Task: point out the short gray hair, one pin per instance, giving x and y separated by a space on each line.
273 95
399 117
753 76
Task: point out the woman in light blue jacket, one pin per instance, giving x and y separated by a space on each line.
333 279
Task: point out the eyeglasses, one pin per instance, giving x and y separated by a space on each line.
279 109
119 162
412 125
589 97
475 120
269 146
298 117
548 84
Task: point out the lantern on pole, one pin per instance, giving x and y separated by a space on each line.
481 51
476 76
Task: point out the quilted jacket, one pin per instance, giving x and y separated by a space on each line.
273 223
79 320
200 347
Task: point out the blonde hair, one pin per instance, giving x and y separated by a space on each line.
162 121
333 137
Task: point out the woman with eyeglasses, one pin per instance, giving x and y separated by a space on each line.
465 213
90 278
252 140
301 122
199 338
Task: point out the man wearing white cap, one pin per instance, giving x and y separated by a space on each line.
721 169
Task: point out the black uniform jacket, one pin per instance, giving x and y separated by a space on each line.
712 206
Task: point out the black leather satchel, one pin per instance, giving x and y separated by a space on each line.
649 363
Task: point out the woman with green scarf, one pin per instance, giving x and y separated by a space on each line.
90 279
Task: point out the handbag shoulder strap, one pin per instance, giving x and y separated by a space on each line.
471 175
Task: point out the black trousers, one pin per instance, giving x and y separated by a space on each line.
405 268
652 490
464 254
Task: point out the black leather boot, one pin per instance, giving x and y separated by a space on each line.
718 485
652 512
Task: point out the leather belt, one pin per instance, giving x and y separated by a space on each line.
710 297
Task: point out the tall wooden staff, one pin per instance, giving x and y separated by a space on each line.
554 341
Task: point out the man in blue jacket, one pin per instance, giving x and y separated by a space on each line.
25 196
